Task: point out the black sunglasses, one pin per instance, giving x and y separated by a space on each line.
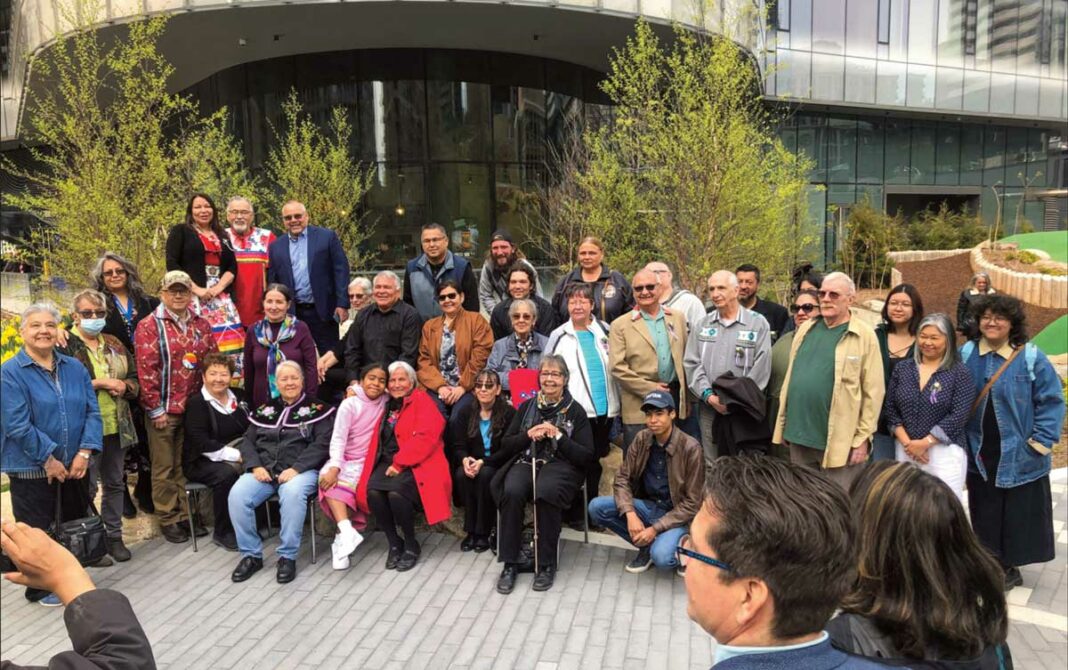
92 313
641 288
794 309
448 296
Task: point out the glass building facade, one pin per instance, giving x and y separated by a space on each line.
455 137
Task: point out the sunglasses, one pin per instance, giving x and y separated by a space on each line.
448 296
177 291
794 309
643 288
114 273
357 296
92 313
292 217
830 295
485 386
522 317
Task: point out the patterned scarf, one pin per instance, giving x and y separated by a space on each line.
286 331
523 349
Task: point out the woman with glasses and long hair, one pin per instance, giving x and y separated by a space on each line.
927 594
128 303
1014 424
202 249
902 312
480 455
549 439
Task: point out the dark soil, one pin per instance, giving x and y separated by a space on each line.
941 281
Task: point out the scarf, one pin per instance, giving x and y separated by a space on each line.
286 331
523 349
541 411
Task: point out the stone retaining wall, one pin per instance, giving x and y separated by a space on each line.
1031 287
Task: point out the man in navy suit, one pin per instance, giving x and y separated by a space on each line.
310 261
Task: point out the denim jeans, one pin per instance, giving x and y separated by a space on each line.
106 467
248 494
603 511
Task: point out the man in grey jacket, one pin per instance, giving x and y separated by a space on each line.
493 281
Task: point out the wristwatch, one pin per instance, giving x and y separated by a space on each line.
84 454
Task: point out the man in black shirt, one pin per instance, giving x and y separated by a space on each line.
748 288
387 332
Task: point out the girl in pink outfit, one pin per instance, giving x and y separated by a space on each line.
356 426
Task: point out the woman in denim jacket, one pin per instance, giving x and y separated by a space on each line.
1010 436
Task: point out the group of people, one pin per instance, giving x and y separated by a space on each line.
263 371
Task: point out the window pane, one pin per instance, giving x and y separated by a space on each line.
891 84
1049 98
950 32
971 155
841 150
801 24
897 152
922 158
396 205
870 151
458 105
862 25
827 77
993 156
392 120
947 154
828 31
976 91
514 189
921 86
899 24
1028 42
811 139
1026 96
1003 35
950 91
793 73
1002 93
923 18
860 80
459 200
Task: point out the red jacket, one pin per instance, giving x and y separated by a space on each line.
169 363
419 432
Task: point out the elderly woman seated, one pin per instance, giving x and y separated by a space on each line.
285 445
549 445
406 468
519 350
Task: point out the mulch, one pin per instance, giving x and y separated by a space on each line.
941 281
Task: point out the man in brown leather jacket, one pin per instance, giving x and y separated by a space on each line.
657 491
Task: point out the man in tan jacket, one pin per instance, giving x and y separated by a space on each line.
833 390
645 351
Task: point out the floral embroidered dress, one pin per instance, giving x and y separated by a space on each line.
250 250
355 428
220 311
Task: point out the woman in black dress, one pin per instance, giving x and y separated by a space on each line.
552 431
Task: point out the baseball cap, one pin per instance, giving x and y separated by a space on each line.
658 400
176 277
501 234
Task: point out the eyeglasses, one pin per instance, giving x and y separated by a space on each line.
485 386
794 309
643 288
448 296
685 553
551 374
292 217
118 272
242 212
830 295
92 313
993 319
177 291
522 317
433 239
899 305
357 296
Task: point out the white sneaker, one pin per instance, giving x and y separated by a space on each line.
346 543
340 560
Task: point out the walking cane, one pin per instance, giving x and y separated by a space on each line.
534 498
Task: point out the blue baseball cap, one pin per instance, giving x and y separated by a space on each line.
658 400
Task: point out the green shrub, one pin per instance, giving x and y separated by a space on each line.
866 240
1053 272
945 229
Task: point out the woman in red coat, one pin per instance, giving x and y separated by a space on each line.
409 468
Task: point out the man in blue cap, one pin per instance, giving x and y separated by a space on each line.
657 491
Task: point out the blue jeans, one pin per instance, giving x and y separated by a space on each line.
604 513
248 494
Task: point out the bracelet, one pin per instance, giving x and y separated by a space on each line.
83 455
931 441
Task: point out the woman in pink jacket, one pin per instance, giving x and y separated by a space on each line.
355 429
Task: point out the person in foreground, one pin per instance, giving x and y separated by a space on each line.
768 558
551 435
916 603
657 489
283 449
102 626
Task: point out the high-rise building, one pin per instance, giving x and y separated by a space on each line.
904 102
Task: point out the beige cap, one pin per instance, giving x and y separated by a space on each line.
176 277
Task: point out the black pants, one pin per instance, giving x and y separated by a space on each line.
323 332
220 477
332 390
558 481
602 428
479 510
33 502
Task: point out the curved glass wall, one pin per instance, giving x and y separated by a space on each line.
456 137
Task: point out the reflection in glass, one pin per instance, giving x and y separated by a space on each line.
1002 93
993 156
949 88
861 29
828 30
976 91
897 152
515 203
947 154
922 156
860 80
841 150
460 201
811 139
971 155
396 206
921 86
870 151
950 32
827 80
923 18
1026 96
890 86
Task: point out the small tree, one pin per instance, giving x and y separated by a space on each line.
865 242
109 141
688 168
319 169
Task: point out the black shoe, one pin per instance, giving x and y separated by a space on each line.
128 509
468 544
1013 578
287 570
407 561
543 581
118 550
102 562
506 582
393 557
175 533
248 566
227 542
482 544
641 562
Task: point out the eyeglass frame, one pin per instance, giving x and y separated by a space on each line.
806 308
681 551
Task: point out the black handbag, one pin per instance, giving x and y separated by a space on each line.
85 537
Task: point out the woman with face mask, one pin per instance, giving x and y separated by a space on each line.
114 375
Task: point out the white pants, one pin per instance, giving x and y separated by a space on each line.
948 462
